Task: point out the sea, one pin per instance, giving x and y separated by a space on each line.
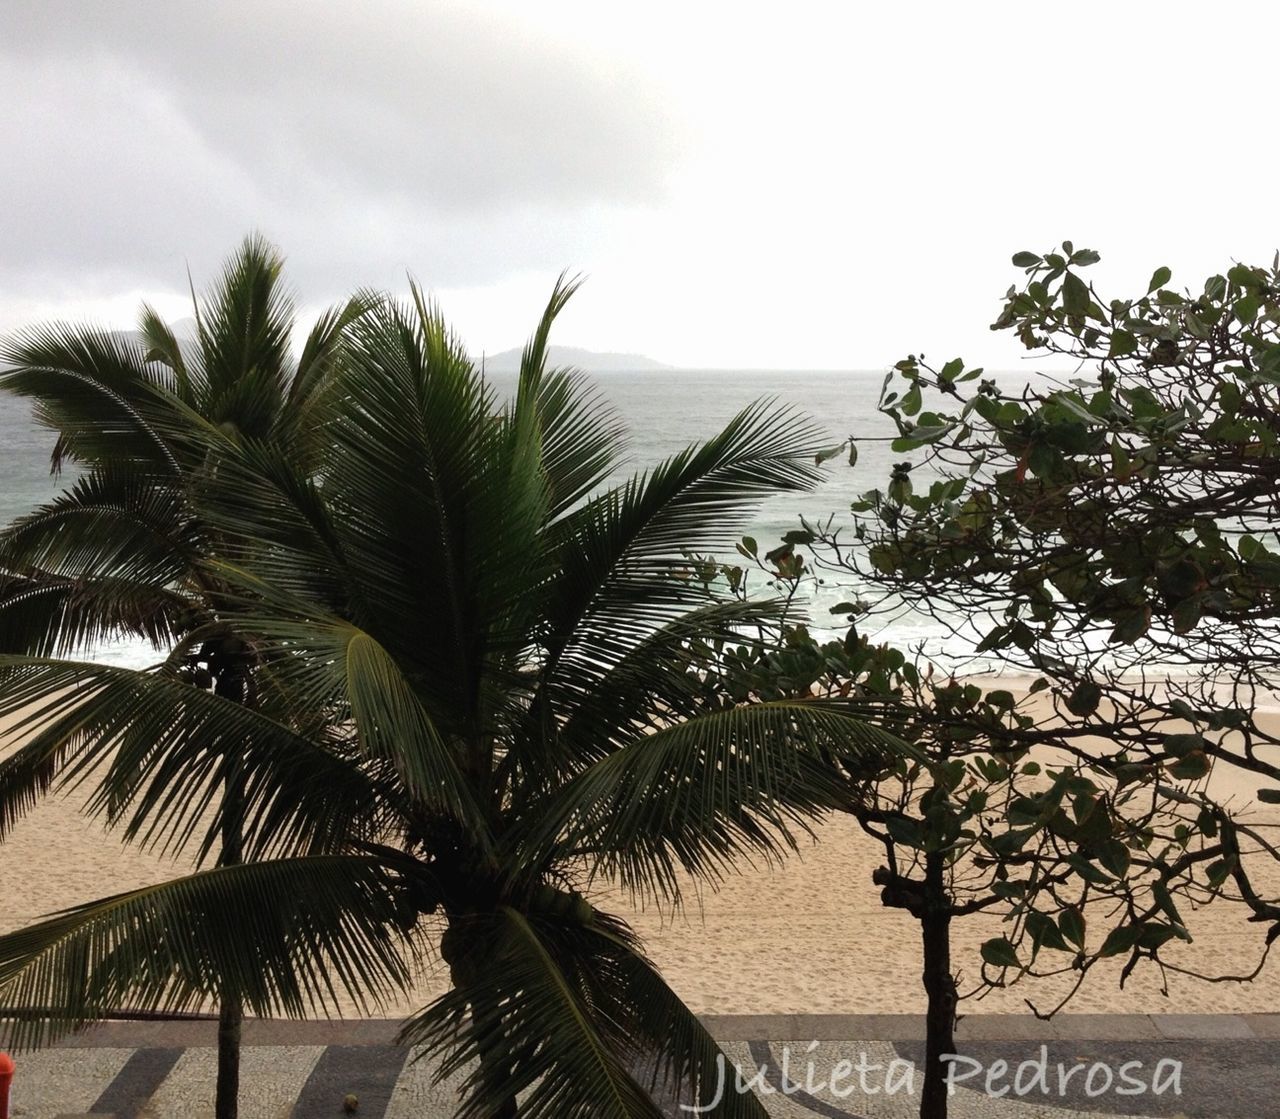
664 411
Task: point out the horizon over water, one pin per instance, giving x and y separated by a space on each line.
663 411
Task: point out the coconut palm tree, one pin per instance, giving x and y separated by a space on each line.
121 552
476 698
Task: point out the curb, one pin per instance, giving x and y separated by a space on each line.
728 1027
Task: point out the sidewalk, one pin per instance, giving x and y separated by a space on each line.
833 1066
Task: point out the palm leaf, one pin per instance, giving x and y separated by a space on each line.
694 795
158 751
93 389
243 338
687 1064
163 347
523 1026
63 617
622 552
289 938
581 439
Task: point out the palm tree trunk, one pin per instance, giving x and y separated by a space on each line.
231 1012
227 1101
940 987
493 1068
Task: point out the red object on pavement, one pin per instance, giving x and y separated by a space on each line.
6 1078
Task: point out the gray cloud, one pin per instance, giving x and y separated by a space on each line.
366 138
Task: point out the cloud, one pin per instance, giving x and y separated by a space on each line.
364 138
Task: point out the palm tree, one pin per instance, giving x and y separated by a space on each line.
477 695
122 551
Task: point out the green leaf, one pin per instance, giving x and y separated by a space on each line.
1131 626
1218 872
1116 858
1044 932
1025 260
1156 934
1180 745
999 952
1075 295
1165 899
1084 698
1122 344
829 452
904 830
1120 939
1246 309
1072 923
1192 767
1186 615
1159 278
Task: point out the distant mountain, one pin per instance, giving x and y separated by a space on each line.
587 360
506 362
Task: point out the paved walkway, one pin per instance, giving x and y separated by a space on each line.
836 1067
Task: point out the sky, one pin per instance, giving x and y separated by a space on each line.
799 186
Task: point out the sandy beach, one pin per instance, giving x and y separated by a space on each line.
809 936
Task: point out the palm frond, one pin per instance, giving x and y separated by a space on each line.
533 359
163 347
324 342
621 553
523 1025
405 471
582 439
687 1065
110 523
315 397
158 751
92 388
657 680
693 796
289 938
243 339
46 617
324 664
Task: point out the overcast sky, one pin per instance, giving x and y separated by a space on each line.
766 186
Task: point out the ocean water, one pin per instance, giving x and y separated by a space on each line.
664 412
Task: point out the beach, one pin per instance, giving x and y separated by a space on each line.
807 936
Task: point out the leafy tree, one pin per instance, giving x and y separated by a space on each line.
122 552
1109 535
475 691
1004 817
1114 532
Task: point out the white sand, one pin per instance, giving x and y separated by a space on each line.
808 937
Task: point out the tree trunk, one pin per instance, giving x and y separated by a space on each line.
940 987
493 1065
231 1013
227 1101
493 1068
